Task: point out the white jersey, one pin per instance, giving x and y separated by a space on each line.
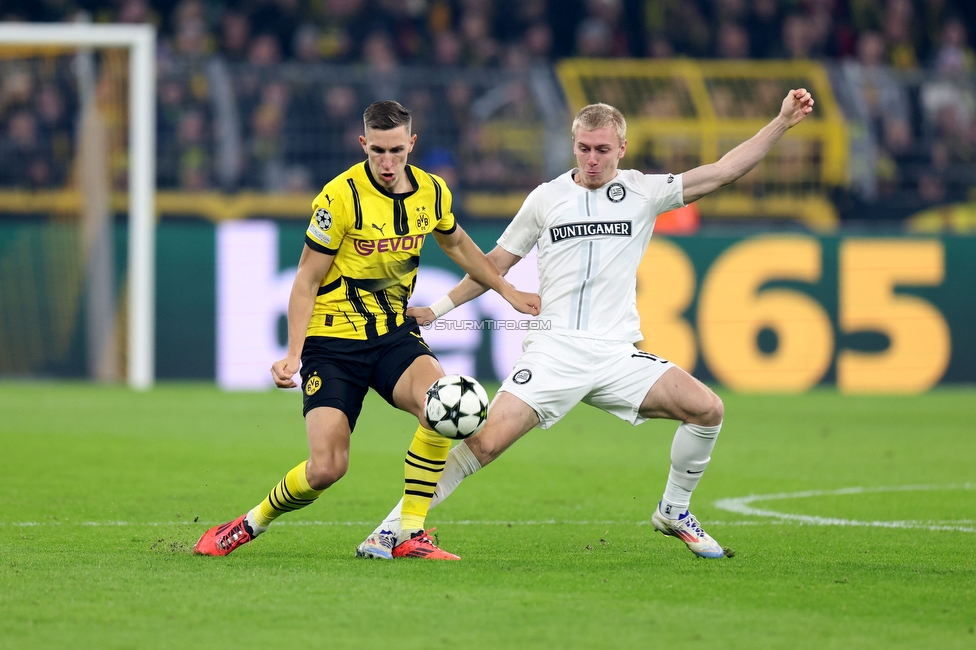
590 245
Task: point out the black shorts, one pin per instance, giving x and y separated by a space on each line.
338 372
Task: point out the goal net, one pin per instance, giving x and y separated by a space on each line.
77 202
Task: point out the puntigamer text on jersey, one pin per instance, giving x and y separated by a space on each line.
592 229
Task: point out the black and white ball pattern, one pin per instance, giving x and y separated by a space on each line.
456 406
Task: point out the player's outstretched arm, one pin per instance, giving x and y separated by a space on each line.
466 254
312 267
468 288
702 181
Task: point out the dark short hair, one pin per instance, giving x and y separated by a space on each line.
386 115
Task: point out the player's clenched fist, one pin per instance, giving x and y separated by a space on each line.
283 371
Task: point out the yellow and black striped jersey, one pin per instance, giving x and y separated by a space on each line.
376 237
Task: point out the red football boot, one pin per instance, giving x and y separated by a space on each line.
222 539
420 545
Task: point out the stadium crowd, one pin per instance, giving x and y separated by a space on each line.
903 71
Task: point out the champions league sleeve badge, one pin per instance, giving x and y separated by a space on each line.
323 219
616 192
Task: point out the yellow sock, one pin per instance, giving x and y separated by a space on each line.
421 469
292 493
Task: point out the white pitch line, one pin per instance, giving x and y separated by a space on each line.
737 505
465 522
742 506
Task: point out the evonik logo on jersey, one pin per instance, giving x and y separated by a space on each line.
390 245
591 229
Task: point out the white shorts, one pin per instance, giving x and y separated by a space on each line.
555 372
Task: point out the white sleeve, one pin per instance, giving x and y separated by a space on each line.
526 227
666 191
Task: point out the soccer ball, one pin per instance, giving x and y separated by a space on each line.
456 406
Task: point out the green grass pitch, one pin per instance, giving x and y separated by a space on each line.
105 491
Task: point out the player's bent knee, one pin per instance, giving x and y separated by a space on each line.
713 412
321 476
483 449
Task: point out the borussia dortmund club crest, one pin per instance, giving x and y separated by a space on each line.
323 219
313 384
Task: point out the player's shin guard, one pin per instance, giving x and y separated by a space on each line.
690 452
422 468
461 463
292 493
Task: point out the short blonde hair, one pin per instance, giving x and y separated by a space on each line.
598 116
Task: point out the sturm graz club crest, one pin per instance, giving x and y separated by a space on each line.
616 192
522 376
323 219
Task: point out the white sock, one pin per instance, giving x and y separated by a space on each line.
252 524
690 452
460 464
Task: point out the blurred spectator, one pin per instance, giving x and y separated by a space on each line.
191 40
949 117
441 162
134 12
235 36
875 99
169 110
381 59
194 162
343 24
26 163
481 48
405 23
193 36
448 50
266 145
593 39
682 24
901 34
278 20
610 13
264 51
538 42
796 40
306 46
56 128
16 90
765 25
321 130
954 55
265 164
866 15
660 48
729 11
733 42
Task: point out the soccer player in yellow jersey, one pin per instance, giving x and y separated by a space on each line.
348 329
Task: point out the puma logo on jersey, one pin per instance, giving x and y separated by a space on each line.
327 198
380 228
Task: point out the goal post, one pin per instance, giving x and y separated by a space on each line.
140 40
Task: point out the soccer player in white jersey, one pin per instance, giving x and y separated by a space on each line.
592 226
